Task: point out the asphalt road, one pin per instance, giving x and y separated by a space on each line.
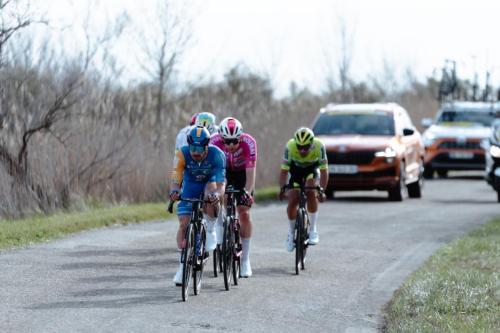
119 279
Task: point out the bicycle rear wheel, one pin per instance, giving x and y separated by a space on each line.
188 254
199 261
227 253
298 241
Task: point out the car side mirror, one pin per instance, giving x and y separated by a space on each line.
408 131
426 122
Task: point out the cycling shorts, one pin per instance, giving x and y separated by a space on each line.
190 190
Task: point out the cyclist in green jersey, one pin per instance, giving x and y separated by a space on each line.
304 160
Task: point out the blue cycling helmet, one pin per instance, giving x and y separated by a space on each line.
198 136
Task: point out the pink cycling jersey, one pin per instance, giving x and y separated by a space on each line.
244 157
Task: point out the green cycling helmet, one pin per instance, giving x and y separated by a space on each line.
303 136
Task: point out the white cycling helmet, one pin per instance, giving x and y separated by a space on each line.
230 128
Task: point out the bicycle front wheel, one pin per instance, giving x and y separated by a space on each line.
199 260
299 222
305 237
227 253
236 254
188 254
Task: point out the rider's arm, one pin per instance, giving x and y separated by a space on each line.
251 162
219 173
323 178
323 167
250 183
178 171
285 167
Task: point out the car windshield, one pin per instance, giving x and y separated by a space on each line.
466 117
341 123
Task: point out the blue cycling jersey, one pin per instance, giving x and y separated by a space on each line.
211 169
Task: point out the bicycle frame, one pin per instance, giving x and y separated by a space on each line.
193 255
302 226
231 248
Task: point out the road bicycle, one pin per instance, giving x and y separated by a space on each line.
231 240
302 225
193 256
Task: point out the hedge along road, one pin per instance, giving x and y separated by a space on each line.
119 279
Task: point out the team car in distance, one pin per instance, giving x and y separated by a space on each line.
455 140
492 174
371 147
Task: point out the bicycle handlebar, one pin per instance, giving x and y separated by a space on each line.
170 208
317 187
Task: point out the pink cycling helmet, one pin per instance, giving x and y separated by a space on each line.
230 128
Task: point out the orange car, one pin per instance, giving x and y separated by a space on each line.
371 147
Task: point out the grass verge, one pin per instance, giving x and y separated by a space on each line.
19 232
456 290
42 228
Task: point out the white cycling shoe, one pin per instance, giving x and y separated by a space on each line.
246 269
313 238
289 243
211 241
178 276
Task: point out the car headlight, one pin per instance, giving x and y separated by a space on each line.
429 139
495 151
388 153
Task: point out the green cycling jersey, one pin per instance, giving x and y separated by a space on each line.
316 155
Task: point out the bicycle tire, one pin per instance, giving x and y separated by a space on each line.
305 237
227 254
187 257
200 262
216 259
236 257
298 241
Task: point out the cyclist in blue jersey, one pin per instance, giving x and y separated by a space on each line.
198 168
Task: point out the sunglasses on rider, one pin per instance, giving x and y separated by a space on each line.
197 149
231 141
304 147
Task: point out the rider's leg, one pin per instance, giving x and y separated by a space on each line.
219 226
312 210
293 202
246 233
211 211
181 243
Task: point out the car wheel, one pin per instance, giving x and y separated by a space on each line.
442 173
329 193
428 172
396 193
414 190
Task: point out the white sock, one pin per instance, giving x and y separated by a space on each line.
180 256
313 218
291 225
245 244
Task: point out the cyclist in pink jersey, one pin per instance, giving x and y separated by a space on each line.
241 158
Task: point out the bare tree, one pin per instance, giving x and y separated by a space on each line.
338 52
163 44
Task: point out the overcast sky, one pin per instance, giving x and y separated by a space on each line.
300 40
